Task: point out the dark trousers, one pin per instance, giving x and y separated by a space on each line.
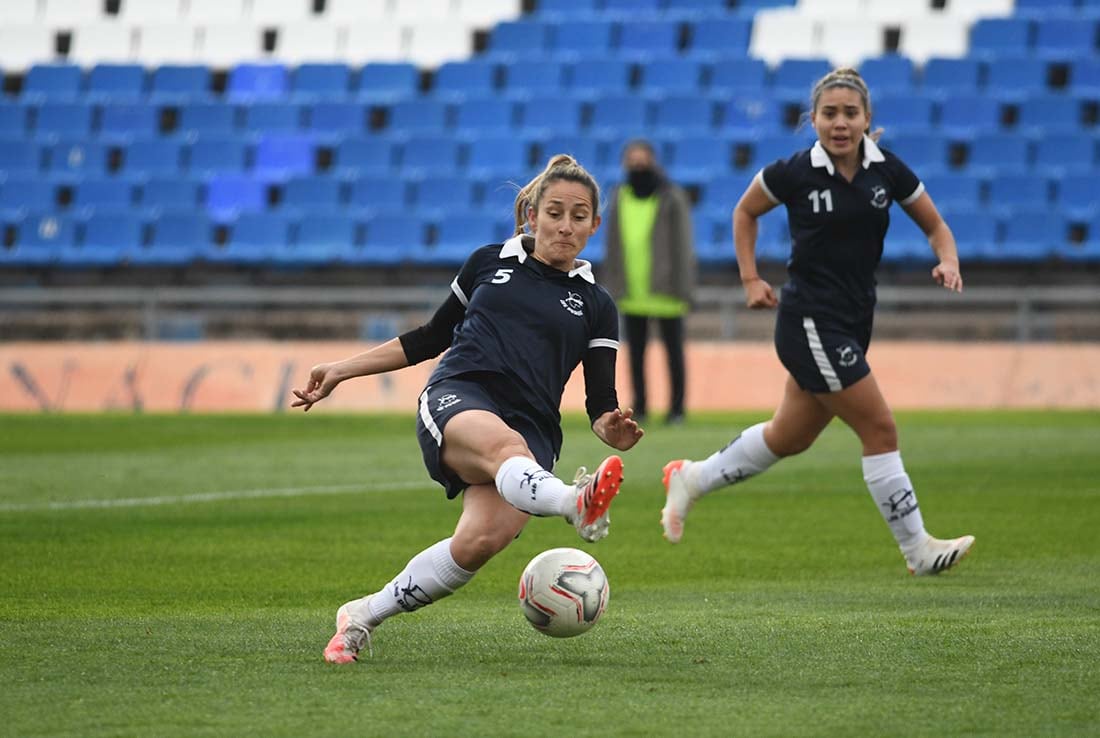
672 333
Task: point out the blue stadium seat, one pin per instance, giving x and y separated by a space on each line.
19 157
516 39
462 78
736 77
1079 196
772 147
180 83
905 241
683 115
251 239
63 119
674 76
713 247
379 194
457 235
539 119
314 194
320 82
902 114
257 81
942 77
969 116
323 238
998 154
1084 77
998 37
418 116
1043 115
438 196
1065 153
40 238
213 154
698 158
628 10
570 39
109 239
92 195
645 39
19 195
1089 251
381 82
485 115
390 238
926 154
773 243
597 76
955 191
228 195
526 78
891 74
498 198
1031 236
619 115
695 10
343 118
127 120
1066 38
975 233
272 117
13 119
749 115
367 156
584 149
718 38
116 82
78 156
1015 78
794 78
422 154
207 118
161 194
1011 193
569 9
1042 8
53 82
720 195
176 239
505 156
284 156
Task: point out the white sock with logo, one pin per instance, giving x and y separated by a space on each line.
429 576
744 457
893 493
526 486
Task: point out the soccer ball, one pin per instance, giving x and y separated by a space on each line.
563 592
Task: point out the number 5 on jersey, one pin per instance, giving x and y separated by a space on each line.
502 276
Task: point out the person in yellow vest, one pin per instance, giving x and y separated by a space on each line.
649 267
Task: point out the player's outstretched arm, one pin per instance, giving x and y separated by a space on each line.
618 429
946 273
323 378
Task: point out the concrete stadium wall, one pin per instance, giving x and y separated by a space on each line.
258 377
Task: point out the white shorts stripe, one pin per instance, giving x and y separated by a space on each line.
604 343
822 361
459 293
426 418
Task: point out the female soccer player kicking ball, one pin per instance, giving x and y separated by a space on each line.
837 195
522 315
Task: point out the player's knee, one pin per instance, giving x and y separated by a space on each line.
880 436
477 548
508 445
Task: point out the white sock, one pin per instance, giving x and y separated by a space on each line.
429 576
744 457
528 487
893 493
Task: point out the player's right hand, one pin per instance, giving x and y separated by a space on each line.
322 381
759 295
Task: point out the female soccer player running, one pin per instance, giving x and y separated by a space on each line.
837 196
521 316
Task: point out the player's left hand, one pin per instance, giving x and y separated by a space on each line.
946 274
618 429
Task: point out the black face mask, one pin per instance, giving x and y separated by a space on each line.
643 181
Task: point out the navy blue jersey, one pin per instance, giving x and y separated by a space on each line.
837 227
527 321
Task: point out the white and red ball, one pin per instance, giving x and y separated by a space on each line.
563 592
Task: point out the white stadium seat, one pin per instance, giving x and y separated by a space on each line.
278 12
831 8
894 11
70 13
431 44
104 42
486 13
422 11
367 42
22 46
923 38
309 41
783 34
225 45
21 11
357 10
974 9
140 12
206 12
846 42
175 43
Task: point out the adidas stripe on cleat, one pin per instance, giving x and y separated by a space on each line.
934 556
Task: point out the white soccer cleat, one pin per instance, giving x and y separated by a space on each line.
351 636
590 510
933 555
680 495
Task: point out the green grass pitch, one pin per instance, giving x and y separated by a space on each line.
197 603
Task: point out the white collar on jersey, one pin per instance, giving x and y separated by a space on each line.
819 157
514 247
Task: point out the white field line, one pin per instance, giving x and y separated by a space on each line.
200 497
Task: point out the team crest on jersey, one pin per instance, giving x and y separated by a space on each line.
879 198
847 356
445 401
573 303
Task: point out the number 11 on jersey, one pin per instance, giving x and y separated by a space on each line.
822 196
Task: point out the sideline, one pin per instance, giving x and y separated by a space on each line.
201 497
